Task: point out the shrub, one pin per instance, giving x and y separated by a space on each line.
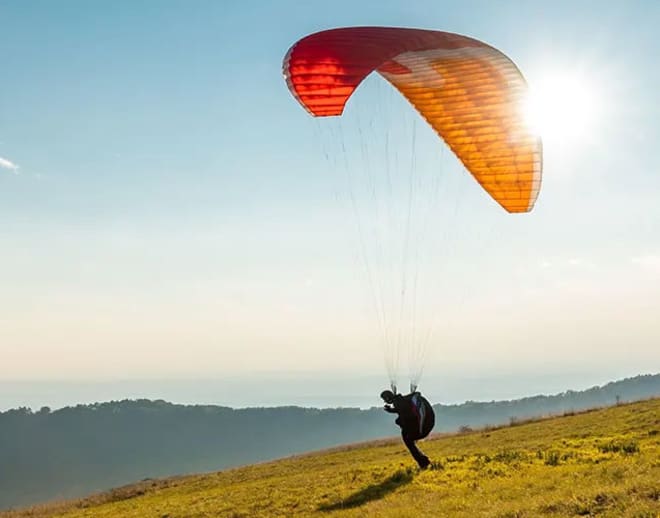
627 447
552 458
507 456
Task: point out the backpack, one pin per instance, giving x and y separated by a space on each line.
423 412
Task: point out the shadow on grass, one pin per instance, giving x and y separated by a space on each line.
372 492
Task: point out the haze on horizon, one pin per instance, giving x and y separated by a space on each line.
167 214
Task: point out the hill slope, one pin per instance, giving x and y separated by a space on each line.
604 462
106 445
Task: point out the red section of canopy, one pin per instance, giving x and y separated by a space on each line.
323 69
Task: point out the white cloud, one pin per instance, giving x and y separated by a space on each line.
7 164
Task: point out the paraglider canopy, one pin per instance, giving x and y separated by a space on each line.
470 93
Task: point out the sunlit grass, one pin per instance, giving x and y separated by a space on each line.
600 463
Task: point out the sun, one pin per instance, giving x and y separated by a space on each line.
562 107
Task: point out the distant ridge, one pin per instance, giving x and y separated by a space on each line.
76 450
473 413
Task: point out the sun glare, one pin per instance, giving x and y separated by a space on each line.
561 107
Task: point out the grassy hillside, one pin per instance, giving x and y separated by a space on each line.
106 445
600 463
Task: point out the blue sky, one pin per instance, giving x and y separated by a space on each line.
166 211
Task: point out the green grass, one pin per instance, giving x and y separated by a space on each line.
599 463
